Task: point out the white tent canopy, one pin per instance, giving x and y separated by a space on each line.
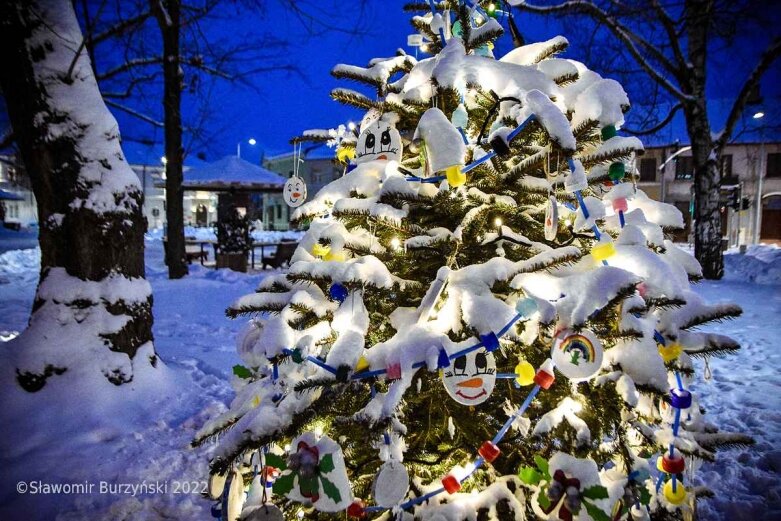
232 173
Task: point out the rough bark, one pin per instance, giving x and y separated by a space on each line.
707 227
168 16
89 203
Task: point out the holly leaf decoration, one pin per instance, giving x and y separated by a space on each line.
331 490
241 371
595 512
284 484
529 475
326 464
308 486
543 500
542 464
645 496
595 492
273 460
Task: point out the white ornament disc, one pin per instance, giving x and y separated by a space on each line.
577 356
377 142
470 378
551 218
233 501
294 192
391 484
267 512
217 485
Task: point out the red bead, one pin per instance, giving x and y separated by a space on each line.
451 484
357 509
544 379
489 451
673 464
393 372
619 205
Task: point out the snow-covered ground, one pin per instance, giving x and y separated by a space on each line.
196 341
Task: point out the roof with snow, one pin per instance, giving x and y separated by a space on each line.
5 195
232 173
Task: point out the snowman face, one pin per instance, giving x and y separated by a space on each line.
470 378
294 192
379 141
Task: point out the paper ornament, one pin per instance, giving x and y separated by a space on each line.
391 484
551 218
470 378
216 485
267 512
577 356
314 473
233 498
378 141
294 192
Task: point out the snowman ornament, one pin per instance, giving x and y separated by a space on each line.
294 192
470 378
379 141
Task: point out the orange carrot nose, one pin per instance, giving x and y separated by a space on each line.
296 194
472 382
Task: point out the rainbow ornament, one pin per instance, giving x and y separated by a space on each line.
578 356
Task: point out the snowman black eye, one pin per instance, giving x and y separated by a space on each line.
481 363
459 365
385 139
370 142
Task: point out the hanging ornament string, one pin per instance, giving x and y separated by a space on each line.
433 8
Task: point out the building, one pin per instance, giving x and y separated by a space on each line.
16 195
750 170
317 169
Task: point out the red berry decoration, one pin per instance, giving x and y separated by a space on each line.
489 451
357 509
673 464
451 484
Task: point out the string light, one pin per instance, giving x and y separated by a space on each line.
498 222
395 243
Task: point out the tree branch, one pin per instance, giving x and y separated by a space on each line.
121 27
658 127
772 52
135 113
623 33
129 65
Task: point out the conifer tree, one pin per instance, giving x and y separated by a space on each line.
485 319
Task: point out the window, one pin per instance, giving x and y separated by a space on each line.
774 165
279 212
648 169
684 168
726 166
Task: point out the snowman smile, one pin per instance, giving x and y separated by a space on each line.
472 397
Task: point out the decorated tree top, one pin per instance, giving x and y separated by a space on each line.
484 314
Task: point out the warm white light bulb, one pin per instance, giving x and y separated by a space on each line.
498 222
164 160
351 125
395 243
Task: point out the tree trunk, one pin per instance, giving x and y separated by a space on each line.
707 177
168 15
93 309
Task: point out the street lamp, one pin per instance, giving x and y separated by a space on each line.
758 210
758 115
250 141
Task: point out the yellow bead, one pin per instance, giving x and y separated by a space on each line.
345 154
659 464
455 177
524 373
603 251
320 250
670 352
256 401
675 497
335 256
362 364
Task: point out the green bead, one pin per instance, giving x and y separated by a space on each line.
608 132
297 357
616 171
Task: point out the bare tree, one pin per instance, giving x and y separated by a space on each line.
92 310
669 45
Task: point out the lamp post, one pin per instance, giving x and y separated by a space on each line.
758 216
250 141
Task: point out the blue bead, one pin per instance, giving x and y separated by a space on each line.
490 341
680 398
526 307
443 360
337 292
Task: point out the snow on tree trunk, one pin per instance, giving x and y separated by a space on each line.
707 226
168 19
92 315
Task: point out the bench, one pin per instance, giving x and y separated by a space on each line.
284 253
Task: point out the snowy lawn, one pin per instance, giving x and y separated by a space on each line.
150 451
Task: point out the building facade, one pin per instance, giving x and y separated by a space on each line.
751 188
20 209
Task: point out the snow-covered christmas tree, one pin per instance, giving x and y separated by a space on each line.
484 319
